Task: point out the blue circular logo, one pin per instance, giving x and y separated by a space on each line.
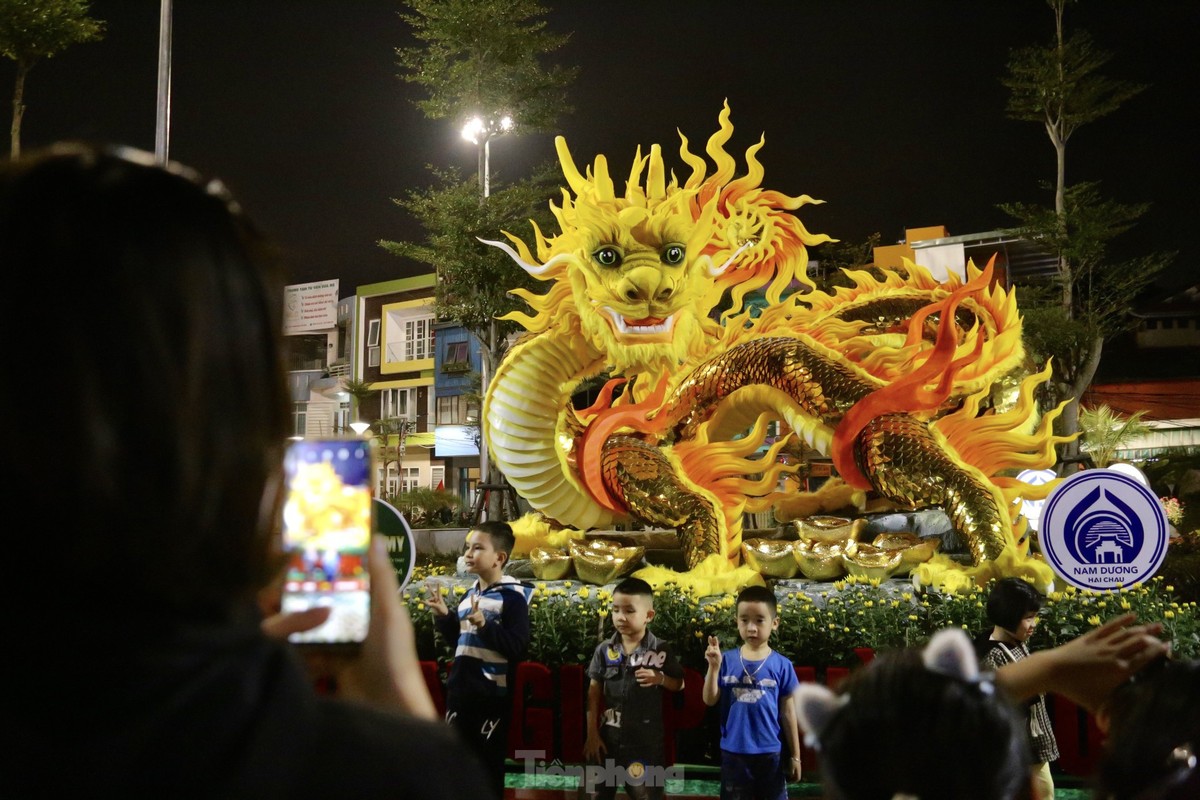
1103 530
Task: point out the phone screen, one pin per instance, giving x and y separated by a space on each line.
327 526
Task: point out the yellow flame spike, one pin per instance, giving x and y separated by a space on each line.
602 182
698 165
541 243
656 188
716 149
755 172
575 180
633 183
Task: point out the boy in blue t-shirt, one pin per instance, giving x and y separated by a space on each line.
754 686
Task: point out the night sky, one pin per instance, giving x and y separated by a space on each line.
891 112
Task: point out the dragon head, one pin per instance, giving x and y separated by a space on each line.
639 274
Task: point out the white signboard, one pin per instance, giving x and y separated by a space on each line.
310 306
1103 530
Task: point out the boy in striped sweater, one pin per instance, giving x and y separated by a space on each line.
492 632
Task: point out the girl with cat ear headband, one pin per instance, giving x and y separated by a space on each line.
928 725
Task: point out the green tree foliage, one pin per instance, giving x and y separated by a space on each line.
474 279
486 57
427 508
1059 85
1105 432
1103 289
32 30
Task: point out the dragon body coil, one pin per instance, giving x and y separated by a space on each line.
894 378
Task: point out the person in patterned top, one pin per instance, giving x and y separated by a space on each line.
1012 608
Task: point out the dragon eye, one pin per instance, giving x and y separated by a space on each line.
672 254
608 257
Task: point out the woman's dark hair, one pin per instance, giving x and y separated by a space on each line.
158 424
909 730
1154 735
1010 600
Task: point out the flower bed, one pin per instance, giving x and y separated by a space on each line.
820 625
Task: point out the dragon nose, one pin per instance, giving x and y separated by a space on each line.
646 285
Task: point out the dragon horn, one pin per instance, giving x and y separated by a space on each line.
656 177
578 183
532 269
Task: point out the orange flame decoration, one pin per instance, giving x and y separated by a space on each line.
909 394
741 238
720 468
608 421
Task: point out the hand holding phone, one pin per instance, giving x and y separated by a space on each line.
385 672
327 525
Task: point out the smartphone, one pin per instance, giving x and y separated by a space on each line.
327 525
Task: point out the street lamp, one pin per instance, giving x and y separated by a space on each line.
480 132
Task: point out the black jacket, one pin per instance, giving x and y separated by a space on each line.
220 712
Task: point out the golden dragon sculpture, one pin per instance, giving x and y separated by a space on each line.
891 377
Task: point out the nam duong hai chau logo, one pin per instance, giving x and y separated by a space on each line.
1102 529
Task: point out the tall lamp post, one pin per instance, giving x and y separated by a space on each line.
162 124
480 131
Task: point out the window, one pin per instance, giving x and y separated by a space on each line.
445 410
457 410
412 479
407 334
418 339
437 477
397 403
373 333
299 418
306 351
372 356
457 358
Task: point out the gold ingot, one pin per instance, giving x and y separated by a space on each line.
868 561
827 528
600 562
820 561
770 557
913 549
549 564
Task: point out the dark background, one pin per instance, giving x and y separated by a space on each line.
891 112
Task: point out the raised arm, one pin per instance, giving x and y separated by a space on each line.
1086 669
712 689
510 633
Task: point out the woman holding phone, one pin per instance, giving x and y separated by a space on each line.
151 461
